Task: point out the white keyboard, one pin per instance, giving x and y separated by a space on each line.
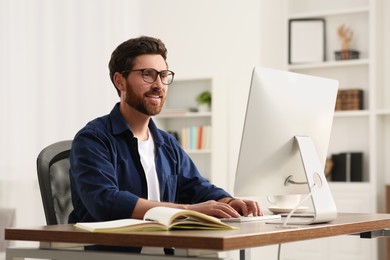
252 218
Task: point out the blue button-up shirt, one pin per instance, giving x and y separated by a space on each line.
107 177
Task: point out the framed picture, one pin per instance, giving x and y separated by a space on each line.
306 40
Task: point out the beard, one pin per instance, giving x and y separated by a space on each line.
141 103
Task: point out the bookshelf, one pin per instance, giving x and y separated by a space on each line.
360 130
180 115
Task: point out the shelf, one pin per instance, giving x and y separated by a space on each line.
192 126
352 113
329 64
201 151
185 115
350 185
383 112
347 11
365 130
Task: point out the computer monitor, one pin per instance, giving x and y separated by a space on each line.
285 138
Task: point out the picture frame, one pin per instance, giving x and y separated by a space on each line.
307 41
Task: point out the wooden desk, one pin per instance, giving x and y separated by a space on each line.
251 234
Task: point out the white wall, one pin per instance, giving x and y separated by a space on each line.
386 78
53 79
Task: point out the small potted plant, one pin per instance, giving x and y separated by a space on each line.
204 101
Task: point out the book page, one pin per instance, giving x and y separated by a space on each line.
158 218
112 225
183 218
164 215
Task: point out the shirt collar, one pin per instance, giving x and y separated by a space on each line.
119 125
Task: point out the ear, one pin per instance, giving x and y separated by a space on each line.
119 81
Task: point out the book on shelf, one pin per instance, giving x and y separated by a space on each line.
158 219
196 138
349 99
347 167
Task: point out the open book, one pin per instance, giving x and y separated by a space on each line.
158 218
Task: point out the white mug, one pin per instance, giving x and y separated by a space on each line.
285 201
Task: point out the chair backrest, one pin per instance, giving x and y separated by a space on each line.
53 176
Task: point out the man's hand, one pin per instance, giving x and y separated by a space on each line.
246 207
215 208
224 208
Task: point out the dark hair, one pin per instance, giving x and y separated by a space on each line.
122 58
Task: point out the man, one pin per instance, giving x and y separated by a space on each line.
122 164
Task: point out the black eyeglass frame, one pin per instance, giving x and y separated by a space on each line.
158 73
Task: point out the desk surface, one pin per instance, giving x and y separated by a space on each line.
250 234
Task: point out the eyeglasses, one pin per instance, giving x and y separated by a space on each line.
149 75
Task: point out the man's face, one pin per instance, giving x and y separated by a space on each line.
147 98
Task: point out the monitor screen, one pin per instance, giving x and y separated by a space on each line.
282 105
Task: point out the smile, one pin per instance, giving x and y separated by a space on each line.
153 96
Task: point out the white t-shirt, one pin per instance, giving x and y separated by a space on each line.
147 154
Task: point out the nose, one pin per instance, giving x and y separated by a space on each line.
158 82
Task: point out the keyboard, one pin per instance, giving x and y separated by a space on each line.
252 218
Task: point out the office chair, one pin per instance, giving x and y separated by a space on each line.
53 176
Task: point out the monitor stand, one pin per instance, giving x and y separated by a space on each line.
322 199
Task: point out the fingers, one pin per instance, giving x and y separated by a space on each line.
254 207
216 209
246 207
235 208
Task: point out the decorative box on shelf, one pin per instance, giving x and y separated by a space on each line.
346 55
